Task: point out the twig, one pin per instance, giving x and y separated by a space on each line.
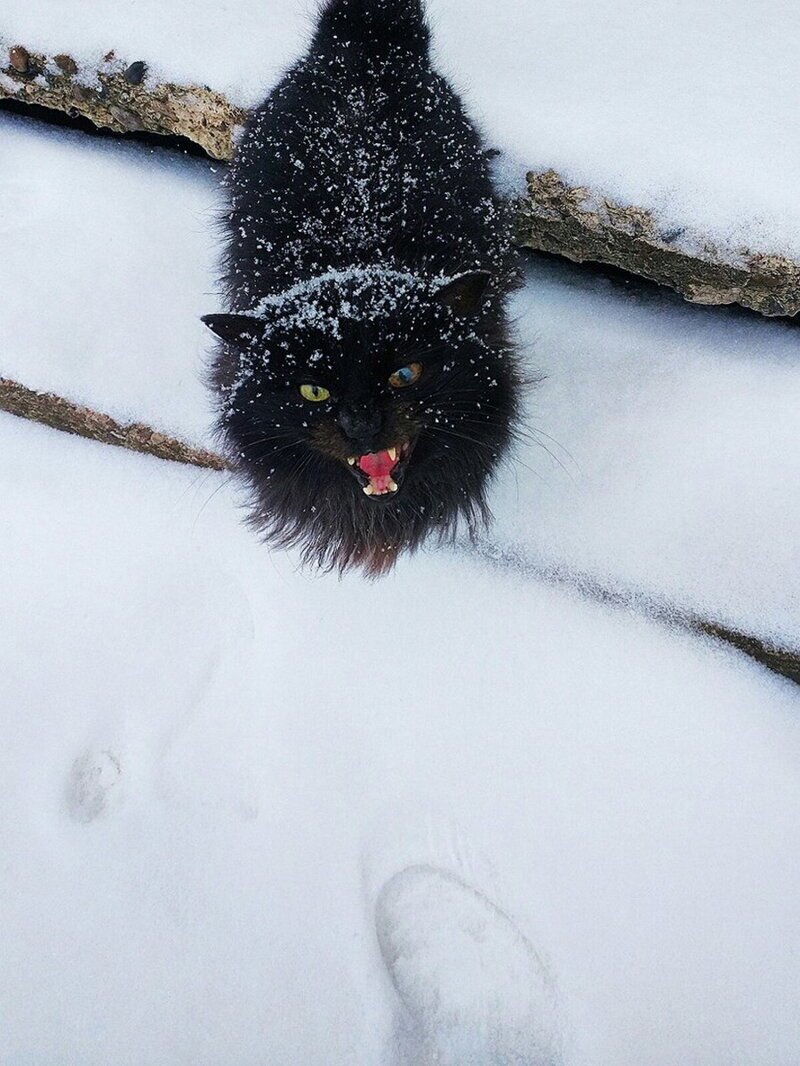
55 411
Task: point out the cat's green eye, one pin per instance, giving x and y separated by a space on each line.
314 393
406 375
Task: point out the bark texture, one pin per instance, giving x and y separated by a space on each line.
571 221
55 411
121 96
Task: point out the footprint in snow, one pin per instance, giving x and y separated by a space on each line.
92 785
474 990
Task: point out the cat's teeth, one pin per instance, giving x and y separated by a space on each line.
351 460
392 453
393 486
368 490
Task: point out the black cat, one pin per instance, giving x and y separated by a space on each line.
367 383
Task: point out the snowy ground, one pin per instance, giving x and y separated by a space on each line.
103 307
219 768
673 105
674 466
253 815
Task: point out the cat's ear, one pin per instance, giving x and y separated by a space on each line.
463 294
240 330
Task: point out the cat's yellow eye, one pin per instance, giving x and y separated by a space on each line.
314 393
406 375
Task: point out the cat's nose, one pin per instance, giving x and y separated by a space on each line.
361 426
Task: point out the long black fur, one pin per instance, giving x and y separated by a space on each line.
362 227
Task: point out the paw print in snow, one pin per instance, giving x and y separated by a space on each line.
93 782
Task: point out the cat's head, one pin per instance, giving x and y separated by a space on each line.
366 409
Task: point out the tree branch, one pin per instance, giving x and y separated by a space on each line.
55 411
121 96
574 222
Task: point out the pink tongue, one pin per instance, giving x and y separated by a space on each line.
378 467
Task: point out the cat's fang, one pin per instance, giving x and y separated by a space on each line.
379 465
368 490
393 486
351 460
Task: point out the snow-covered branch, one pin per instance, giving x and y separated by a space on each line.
58 413
119 95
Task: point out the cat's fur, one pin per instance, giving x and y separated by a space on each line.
363 235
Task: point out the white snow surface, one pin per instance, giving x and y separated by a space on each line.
110 266
459 815
256 816
681 107
659 453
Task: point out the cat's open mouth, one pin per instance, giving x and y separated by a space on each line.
381 473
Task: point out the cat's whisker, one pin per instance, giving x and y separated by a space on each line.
544 448
509 457
273 451
531 433
223 483
555 458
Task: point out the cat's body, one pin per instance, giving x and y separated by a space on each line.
364 242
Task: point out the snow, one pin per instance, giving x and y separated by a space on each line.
112 267
660 452
667 105
460 815
225 817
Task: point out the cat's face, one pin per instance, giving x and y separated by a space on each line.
365 415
